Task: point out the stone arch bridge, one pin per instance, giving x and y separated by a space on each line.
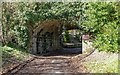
47 35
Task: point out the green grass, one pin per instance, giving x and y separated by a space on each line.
17 53
106 66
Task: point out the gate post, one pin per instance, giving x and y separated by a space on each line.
86 44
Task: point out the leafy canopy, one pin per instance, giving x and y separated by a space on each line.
100 19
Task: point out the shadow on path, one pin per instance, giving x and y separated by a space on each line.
64 52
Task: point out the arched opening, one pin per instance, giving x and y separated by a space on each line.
55 36
71 38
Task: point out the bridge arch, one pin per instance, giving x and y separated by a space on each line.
47 35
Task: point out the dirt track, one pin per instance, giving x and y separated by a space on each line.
47 65
50 64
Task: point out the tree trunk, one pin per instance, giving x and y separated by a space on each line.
1 34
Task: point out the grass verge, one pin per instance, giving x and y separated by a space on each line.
12 55
109 65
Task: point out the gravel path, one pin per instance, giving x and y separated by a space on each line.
55 62
47 65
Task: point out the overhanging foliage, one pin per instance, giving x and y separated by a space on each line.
100 19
